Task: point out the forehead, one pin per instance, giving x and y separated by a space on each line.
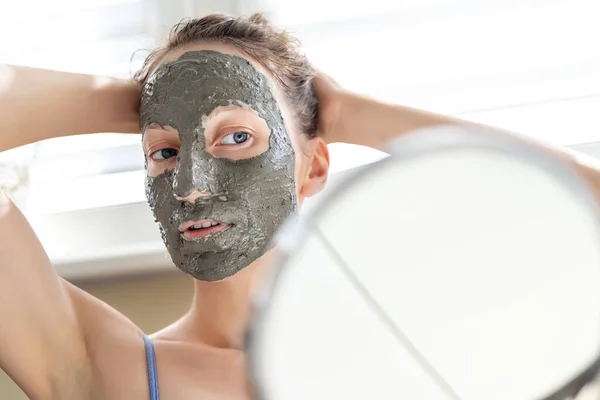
219 47
181 91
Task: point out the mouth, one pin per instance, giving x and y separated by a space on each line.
193 230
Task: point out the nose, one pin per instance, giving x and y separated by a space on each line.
192 197
193 178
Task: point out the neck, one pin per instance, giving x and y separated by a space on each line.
220 310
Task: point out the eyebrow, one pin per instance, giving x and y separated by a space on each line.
159 127
231 107
154 125
149 126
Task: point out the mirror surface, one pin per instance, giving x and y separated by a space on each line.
464 266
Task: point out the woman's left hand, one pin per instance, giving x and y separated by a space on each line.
331 97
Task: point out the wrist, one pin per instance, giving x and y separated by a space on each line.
345 110
355 119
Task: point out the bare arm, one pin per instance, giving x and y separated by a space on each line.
351 118
44 346
37 104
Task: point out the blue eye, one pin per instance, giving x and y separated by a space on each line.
164 154
235 138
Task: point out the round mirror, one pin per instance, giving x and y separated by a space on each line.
464 266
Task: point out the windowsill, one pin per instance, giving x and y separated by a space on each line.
107 190
102 242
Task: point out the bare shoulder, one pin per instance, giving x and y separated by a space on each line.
188 369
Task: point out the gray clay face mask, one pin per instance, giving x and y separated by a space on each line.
254 195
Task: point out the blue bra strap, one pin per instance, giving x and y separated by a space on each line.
151 362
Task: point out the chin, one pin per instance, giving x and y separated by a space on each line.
217 268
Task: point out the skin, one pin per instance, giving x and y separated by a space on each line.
65 344
209 100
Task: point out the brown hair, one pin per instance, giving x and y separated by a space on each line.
275 49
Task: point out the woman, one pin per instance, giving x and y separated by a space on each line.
224 93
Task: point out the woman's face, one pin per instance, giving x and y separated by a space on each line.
225 164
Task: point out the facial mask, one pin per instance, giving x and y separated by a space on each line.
254 195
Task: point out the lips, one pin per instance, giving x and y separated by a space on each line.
193 230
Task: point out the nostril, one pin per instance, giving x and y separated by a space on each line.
192 197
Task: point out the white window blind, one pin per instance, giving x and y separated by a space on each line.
93 36
462 59
530 67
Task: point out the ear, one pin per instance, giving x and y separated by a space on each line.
317 170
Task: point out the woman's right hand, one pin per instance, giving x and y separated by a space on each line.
122 99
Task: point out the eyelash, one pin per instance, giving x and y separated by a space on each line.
248 137
153 152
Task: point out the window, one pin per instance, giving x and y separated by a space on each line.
529 67
526 66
